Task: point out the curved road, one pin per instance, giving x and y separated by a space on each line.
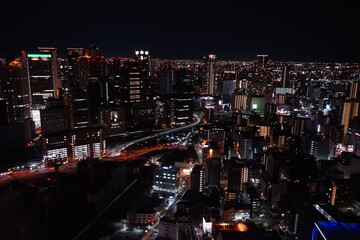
116 151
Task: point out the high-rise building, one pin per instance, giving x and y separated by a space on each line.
166 81
212 172
72 80
240 101
132 86
184 97
270 113
91 66
246 145
198 178
42 75
239 175
210 83
14 90
350 111
143 58
299 125
54 60
98 98
262 61
140 110
354 89
341 194
77 102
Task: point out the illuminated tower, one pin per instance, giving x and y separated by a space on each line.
140 110
54 64
132 86
143 58
210 84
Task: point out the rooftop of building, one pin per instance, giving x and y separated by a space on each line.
338 230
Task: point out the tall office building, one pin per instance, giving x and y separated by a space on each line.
354 90
14 90
238 176
98 98
166 81
143 58
132 86
91 66
184 97
115 69
42 75
350 111
299 125
140 110
198 178
262 61
77 103
54 64
240 101
246 145
210 83
73 54
212 172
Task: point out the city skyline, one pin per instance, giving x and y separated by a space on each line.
310 31
179 120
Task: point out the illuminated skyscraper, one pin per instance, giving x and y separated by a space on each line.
42 74
184 97
77 103
14 90
143 58
132 86
140 110
210 84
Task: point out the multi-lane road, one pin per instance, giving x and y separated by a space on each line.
116 150
113 153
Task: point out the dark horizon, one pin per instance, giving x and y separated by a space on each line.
307 32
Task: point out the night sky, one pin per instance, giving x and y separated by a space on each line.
286 30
